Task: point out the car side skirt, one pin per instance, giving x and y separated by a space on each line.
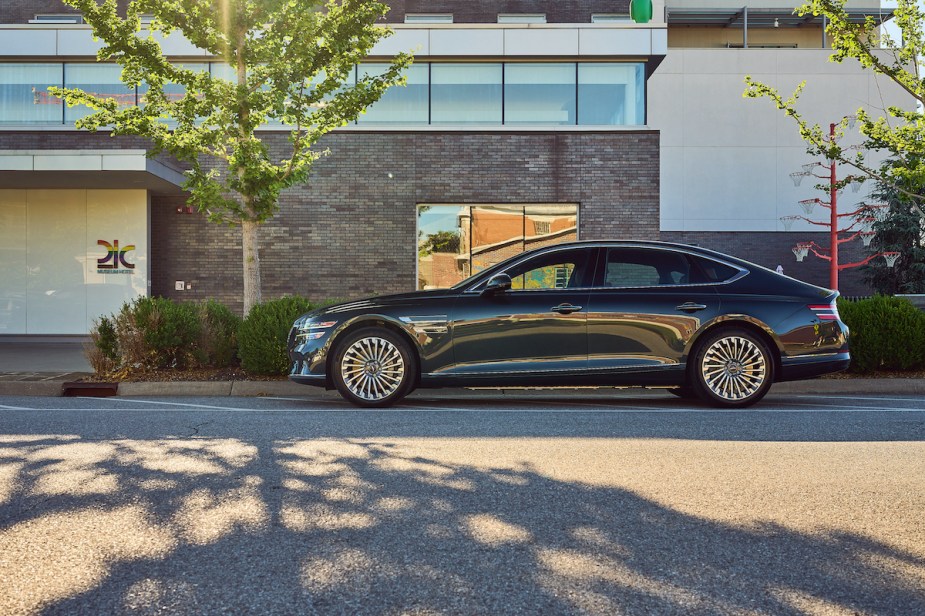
811 366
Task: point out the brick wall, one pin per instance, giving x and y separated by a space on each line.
773 249
21 11
464 11
486 11
351 231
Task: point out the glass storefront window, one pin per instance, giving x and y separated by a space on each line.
103 80
561 93
465 93
611 94
399 105
24 97
456 241
541 93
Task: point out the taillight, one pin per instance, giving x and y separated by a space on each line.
825 312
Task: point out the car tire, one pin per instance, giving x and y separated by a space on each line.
733 368
685 393
373 368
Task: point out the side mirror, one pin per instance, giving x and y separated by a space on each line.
499 283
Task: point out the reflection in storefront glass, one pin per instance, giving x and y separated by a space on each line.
456 241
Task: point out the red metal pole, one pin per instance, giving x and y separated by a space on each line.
833 232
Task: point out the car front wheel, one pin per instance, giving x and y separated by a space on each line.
733 368
373 367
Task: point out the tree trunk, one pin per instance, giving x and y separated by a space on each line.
251 243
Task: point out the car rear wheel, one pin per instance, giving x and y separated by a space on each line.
373 367
733 368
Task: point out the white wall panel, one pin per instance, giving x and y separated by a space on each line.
738 153
541 42
733 185
56 296
12 262
115 216
54 274
481 42
601 42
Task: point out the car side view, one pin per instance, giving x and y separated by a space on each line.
601 313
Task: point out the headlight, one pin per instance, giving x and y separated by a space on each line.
312 330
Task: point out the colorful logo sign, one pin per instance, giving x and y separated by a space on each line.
114 262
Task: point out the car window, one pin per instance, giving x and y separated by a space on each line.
642 267
559 269
710 271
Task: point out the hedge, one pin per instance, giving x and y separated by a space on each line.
886 333
262 336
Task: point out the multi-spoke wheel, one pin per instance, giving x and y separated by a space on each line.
732 368
373 367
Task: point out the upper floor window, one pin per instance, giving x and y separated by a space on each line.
521 18
464 93
606 18
428 18
58 18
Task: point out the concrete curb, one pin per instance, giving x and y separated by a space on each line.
30 388
289 389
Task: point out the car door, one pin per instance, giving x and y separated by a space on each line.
646 304
539 326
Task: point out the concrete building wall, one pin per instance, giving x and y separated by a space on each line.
726 160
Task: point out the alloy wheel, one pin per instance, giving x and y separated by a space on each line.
734 368
372 368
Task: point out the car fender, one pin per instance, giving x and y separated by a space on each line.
733 319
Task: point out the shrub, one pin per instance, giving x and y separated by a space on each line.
103 350
218 344
154 332
262 335
887 333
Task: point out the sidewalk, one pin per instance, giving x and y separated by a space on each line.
51 385
41 367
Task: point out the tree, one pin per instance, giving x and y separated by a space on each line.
897 60
900 229
290 61
441 241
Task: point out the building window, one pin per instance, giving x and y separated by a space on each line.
611 94
609 18
466 93
521 18
541 93
489 93
428 18
102 80
456 241
399 105
58 18
24 97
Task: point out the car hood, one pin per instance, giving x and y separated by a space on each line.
373 303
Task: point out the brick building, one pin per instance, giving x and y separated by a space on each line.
524 122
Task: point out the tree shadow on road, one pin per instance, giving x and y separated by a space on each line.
378 526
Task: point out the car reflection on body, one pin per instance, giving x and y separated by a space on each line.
623 313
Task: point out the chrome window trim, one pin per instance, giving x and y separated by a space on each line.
741 272
530 255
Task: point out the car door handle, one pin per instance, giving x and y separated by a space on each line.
691 307
565 308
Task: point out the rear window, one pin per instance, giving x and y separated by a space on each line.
645 267
705 271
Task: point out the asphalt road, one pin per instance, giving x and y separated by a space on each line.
638 503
